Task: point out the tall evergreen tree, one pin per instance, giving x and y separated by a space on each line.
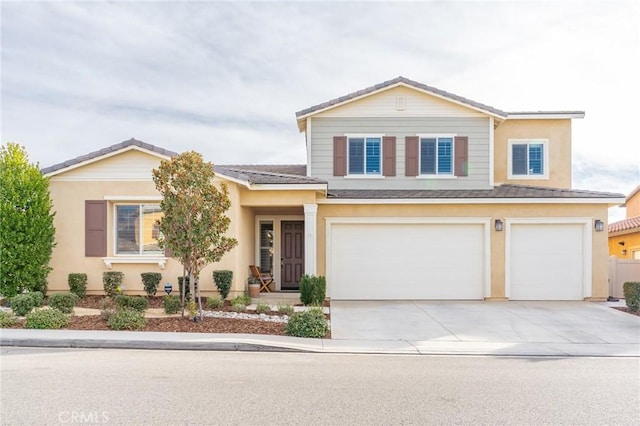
27 233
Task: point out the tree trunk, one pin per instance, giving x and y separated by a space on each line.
183 289
200 302
192 288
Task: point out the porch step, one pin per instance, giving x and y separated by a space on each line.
289 298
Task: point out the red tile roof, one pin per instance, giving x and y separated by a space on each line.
625 225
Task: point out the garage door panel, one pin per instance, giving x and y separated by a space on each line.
546 262
406 261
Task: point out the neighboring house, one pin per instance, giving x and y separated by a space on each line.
624 235
409 192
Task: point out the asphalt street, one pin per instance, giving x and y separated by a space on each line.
88 386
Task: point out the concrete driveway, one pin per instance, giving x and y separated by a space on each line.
528 323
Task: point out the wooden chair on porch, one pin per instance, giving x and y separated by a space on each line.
265 279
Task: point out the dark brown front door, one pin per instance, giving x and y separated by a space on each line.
292 254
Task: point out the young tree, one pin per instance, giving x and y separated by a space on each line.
194 221
27 234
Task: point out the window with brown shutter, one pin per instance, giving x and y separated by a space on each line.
411 156
95 222
339 155
389 156
461 156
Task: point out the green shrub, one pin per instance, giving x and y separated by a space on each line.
286 309
137 303
188 288
78 284
631 291
127 319
107 308
22 304
172 304
262 308
112 282
46 318
239 307
38 298
310 323
241 300
63 302
214 302
312 290
7 319
150 280
223 280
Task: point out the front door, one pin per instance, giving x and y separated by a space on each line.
292 262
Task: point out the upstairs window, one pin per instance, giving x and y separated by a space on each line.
436 155
365 155
137 230
528 159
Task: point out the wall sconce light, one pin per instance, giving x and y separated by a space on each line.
498 225
599 225
624 252
621 243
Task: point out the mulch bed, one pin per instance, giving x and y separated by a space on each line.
625 309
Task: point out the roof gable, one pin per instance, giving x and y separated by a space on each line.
92 157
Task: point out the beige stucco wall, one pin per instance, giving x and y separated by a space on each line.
558 132
493 211
633 205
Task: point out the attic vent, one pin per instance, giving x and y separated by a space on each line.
400 103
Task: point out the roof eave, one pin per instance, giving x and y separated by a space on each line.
545 115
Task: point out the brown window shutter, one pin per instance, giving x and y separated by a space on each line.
339 155
389 156
461 156
95 228
411 155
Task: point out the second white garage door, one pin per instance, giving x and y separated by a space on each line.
387 261
547 261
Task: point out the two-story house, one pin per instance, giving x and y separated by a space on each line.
409 192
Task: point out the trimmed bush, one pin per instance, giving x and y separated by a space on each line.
241 300
631 291
63 302
286 309
112 282
262 308
239 307
22 304
107 308
78 284
312 290
223 280
38 298
214 302
150 280
137 303
127 319
172 304
7 319
46 319
310 323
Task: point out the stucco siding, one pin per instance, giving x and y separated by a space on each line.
476 128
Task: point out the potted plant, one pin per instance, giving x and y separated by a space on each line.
254 286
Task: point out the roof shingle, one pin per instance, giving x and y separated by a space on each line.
265 174
625 225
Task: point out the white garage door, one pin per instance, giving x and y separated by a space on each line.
546 262
382 261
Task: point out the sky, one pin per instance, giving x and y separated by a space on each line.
226 78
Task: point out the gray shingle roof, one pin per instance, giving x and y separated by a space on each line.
502 191
104 151
268 174
408 82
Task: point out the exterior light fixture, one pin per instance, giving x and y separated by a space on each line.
621 243
168 288
599 225
498 225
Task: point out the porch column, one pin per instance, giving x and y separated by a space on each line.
310 215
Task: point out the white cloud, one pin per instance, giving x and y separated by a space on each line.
226 78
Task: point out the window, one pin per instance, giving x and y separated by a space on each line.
137 231
364 154
436 155
266 246
528 159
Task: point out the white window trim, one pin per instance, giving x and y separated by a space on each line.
128 257
437 175
545 148
365 175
